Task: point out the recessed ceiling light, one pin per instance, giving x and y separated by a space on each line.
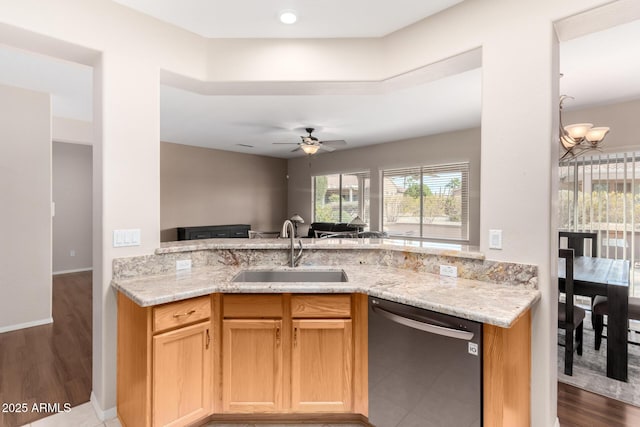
288 16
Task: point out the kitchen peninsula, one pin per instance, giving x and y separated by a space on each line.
203 309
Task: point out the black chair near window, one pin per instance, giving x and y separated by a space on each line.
576 240
570 317
600 308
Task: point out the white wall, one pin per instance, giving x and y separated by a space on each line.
25 213
452 147
519 89
72 131
72 195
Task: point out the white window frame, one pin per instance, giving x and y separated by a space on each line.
422 171
362 176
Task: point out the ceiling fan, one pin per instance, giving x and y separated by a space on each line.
310 144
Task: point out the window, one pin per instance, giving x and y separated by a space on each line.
341 197
427 202
602 193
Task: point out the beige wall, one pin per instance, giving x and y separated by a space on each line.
72 192
621 117
453 147
25 197
200 186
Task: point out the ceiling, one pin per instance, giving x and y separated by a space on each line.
316 18
599 68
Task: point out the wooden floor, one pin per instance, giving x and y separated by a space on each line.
50 363
580 408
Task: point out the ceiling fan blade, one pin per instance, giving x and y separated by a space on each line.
335 143
326 148
285 143
296 149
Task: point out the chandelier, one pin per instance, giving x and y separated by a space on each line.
577 139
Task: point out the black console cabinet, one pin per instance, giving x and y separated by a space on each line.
213 231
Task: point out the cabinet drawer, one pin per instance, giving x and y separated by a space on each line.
181 312
252 306
321 306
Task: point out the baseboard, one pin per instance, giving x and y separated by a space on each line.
293 419
26 325
103 415
557 424
77 270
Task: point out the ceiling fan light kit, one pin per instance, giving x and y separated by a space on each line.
310 148
311 145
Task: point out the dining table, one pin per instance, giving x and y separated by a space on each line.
609 277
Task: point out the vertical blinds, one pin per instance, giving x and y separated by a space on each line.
600 193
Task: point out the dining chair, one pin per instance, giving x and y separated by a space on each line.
600 308
576 240
570 316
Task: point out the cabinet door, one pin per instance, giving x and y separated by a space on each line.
182 375
252 365
321 377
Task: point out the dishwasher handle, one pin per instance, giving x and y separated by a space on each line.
422 326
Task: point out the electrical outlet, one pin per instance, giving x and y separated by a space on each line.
183 264
449 270
72 252
495 239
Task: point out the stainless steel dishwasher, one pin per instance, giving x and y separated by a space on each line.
425 368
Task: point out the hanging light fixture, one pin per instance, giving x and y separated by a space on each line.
310 148
577 139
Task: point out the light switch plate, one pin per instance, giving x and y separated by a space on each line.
129 237
495 239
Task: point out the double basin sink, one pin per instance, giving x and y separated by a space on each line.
290 276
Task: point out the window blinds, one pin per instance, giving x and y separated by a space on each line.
427 201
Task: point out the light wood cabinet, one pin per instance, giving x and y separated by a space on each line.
164 363
289 354
321 366
182 375
252 365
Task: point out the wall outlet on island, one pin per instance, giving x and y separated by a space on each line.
449 270
183 264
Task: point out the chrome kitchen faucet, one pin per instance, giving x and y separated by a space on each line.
288 231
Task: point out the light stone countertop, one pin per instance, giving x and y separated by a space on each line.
432 248
497 305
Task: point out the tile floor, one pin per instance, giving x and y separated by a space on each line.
85 416
79 416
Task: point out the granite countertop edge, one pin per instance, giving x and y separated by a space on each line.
451 250
494 304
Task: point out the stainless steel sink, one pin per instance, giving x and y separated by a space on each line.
291 276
